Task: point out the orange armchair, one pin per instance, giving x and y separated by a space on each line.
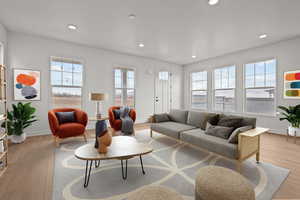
116 124
66 130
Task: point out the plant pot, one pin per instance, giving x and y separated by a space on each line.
18 138
293 131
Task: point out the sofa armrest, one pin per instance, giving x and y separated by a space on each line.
81 117
53 122
249 143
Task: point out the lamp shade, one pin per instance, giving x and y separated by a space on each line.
98 96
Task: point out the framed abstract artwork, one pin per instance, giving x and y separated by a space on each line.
292 85
27 85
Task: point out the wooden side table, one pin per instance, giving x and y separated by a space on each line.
100 127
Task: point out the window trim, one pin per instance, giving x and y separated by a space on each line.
191 90
214 90
114 88
79 61
275 88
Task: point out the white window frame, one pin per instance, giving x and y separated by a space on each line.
124 83
245 89
214 89
69 60
201 90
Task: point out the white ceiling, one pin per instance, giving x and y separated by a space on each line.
172 30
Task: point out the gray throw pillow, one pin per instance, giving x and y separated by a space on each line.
219 131
230 121
234 137
161 118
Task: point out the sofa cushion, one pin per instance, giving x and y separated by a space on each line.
178 115
172 129
235 134
219 131
230 121
210 143
246 121
199 119
66 117
164 117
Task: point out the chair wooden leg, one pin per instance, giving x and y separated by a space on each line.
239 166
151 134
257 157
57 141
85 137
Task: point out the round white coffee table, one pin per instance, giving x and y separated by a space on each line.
122 148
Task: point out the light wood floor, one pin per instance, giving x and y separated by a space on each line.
30 172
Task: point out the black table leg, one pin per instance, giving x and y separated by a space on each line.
87 173
97 163
142 164
124 174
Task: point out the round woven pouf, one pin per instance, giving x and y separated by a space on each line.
219 183
155 193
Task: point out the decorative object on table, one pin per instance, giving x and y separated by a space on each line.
115 118
62 123
21 117
292 85
219 183
103 137
27 85
98 97
292 115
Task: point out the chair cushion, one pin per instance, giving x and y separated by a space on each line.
199 119
178 116
117 113
219 131
235 134
70 129
172 129
66 117
164 117
210 143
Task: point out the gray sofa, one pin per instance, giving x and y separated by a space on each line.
190 126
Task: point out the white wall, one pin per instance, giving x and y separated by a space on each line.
287 54
3 41
33 52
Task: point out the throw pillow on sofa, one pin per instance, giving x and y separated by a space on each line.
234 137
230 121
65 117
161 118
199 119
219 131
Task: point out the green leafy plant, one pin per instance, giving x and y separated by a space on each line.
291 114
21 117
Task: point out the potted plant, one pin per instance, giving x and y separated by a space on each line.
292 115
21 117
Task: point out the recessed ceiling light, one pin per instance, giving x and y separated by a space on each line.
194 56
132 16
213 2
263 36
72 27
141 45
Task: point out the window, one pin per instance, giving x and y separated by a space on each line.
124 87
260 84
199 90
224 92
66 83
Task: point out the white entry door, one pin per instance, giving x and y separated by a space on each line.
163 92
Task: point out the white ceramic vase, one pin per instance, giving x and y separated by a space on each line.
293 131
18 138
